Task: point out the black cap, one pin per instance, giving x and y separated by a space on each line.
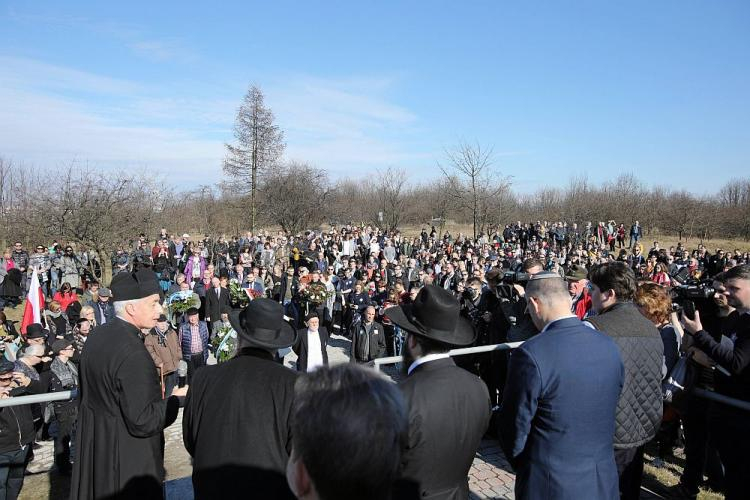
161 319
6 366
132 286
59 345
192 311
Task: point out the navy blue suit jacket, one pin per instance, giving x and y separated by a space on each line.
557 420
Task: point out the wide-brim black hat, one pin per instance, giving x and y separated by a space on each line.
35 331
261 324
435 314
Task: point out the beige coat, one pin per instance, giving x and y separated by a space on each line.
167 356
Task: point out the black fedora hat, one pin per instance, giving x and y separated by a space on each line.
35 331
262 324
434 314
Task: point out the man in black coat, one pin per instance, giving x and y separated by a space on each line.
122 414
311 344
449 408
729 424
236 424
217 299
368 341
16 434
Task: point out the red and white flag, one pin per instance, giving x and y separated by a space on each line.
32 313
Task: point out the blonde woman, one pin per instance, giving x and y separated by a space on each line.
87 312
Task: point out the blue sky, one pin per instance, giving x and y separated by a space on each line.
557 88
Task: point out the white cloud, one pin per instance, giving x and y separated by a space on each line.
50 115
344 125
28 73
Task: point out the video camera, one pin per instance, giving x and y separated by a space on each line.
684 296
515 277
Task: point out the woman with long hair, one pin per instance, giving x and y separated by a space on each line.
65 296
660 275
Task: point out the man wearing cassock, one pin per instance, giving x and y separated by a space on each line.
122 413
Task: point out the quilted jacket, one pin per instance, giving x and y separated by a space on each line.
639 409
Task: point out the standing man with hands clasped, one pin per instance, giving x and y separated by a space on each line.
122 413
729 425
557 419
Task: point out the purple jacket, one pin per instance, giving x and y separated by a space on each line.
189 268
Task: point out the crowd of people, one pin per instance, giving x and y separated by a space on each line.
571 426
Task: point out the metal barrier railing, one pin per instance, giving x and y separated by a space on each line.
392 360
720 398
36 398
702 393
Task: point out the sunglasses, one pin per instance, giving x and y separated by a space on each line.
6 379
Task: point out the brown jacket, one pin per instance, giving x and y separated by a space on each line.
168 356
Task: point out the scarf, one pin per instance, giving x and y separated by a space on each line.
161 337
65 372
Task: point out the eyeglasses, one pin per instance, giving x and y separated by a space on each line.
6 379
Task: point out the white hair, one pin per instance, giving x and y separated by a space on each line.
120 306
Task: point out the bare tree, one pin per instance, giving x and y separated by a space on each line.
472 182
734 199
260 144
294 196
98 211
390 193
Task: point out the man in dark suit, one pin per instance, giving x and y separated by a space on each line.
311 345
557 419
217 299
449 408
368 341
236 424
449 279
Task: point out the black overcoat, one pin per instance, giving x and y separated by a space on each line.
449 411
120 419
236 426
301 348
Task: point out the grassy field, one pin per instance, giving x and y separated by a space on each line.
665 241
660 479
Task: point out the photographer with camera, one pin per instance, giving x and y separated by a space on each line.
521 326
502 316
729 424
719 318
